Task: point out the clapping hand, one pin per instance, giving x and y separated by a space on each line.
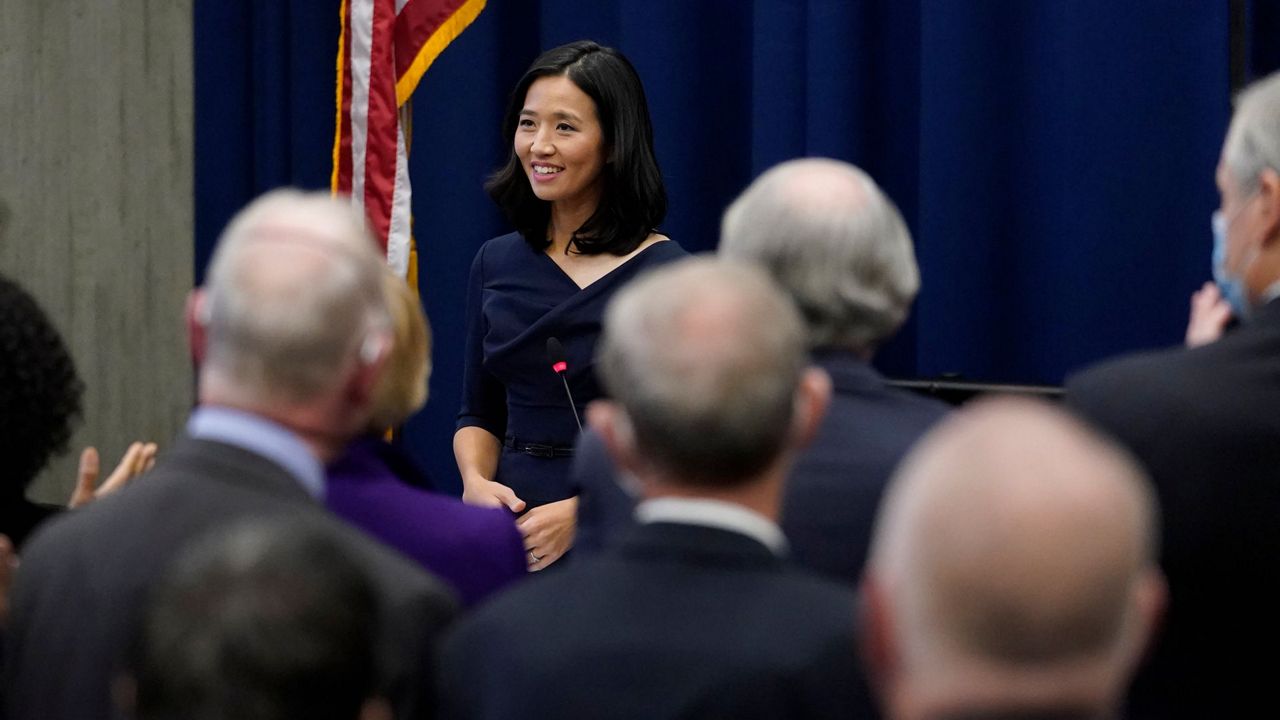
139 458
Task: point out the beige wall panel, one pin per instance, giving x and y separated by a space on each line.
96 167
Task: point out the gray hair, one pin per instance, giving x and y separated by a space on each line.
294 292
1253 140
705 357
835 242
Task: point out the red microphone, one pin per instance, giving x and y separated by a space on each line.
555 353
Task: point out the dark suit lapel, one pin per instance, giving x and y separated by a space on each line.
696 545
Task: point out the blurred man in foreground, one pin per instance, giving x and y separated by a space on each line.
263 621
1012 572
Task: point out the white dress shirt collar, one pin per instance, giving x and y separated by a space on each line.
717 514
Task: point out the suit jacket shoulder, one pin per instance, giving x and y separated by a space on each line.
1218 397
834 490
656 627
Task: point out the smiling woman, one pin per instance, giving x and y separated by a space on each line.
583 189
559 145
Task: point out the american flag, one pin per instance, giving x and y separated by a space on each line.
386 46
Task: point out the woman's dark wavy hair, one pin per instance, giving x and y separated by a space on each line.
39 389
633 201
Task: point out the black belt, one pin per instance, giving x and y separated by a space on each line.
538 449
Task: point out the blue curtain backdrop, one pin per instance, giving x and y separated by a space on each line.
1054 159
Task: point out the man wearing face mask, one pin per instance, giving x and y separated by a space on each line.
1206 423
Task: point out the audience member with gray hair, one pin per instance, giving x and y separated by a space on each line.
1013 571
705 376
839 248
264 621
827 233
706 365
290 333
1204 421
293 298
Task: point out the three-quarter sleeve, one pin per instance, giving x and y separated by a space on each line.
484 398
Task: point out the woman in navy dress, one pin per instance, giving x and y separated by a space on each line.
583 189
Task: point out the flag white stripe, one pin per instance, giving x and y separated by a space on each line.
361 60
398 233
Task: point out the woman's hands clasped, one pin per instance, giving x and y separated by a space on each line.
548 532
547 529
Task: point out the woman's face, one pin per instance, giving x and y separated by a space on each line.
560 143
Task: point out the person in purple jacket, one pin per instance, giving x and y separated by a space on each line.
476 550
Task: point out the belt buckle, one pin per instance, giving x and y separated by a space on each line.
539 450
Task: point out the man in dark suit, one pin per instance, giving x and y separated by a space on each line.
1206 423
290 334
266 620
840 249
695 608
1013 571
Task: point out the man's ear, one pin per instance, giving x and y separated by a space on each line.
124 694
1269 205
1150 599
376 709
196 317
371 362
813 397
608 419
880 653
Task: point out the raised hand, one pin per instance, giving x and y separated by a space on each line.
1210 314
139 458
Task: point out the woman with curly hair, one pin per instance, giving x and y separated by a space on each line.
40 403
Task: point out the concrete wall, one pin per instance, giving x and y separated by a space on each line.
96 167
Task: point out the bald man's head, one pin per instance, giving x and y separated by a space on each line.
1015 540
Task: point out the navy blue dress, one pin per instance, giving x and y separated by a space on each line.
518 298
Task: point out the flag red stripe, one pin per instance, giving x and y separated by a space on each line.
342 152
376 76
415 24
380 151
